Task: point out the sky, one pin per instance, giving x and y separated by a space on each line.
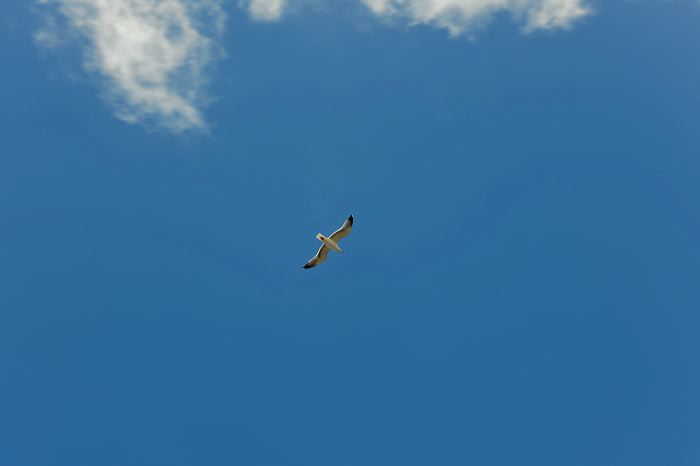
520 287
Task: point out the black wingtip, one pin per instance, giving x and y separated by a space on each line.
351 219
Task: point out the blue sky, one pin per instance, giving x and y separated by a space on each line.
520 288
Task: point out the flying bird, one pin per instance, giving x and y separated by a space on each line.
329 243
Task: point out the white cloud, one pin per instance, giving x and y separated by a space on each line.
265 10
49 36
462 16
459 17
153 54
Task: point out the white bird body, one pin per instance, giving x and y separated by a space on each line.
329 242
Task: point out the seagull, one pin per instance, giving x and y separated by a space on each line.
329 243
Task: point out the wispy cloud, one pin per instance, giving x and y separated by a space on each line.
49 36
152 54
265 10
460 17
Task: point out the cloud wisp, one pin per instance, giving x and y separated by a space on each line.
458 17
265 10
152 54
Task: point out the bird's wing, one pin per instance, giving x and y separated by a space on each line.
318 258
343 231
